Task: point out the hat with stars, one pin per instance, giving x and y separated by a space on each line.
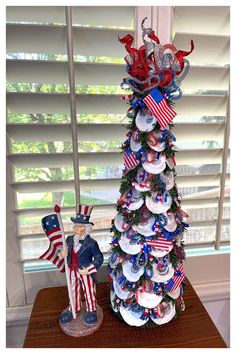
83 214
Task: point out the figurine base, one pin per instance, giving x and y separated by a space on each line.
78 328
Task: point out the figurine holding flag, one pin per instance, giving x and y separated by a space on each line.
79 255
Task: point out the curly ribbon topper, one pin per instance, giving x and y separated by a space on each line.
154 65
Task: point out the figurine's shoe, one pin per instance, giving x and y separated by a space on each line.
66 316
90 317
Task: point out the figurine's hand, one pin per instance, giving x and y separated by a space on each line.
83 271
64 253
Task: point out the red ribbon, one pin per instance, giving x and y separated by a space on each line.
139 65
181 54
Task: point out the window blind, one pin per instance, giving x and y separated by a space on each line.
206 89
39 128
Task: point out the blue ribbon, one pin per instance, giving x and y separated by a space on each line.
171 235
114 241
138 103
122 280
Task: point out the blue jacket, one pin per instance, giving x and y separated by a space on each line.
89 253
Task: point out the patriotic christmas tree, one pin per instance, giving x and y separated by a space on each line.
147 248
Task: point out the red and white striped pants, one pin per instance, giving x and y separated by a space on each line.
89 289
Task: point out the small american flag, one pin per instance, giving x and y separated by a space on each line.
52 229
175 282
130 159
161 243
159 107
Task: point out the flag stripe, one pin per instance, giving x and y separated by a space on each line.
160 244
54 230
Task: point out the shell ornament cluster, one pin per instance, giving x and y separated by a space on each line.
147 250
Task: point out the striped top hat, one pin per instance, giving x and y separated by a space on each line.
83 214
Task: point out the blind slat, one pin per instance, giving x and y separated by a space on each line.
50 39
199 77
211 49
202 19
57 72
186 203
189 105
183 157
92 184
83 15
97 132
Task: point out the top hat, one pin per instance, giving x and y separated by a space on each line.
83 214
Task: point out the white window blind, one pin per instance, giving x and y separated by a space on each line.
204 108
39 126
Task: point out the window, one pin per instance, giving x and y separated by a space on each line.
39 127
201 113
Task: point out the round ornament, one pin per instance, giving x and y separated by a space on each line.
148 300
132 317
158 203
154 140
167 310
154 165
127 244
130 272
162 275
143 181
120 223
145 121
145 228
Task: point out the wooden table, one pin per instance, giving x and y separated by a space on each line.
192 329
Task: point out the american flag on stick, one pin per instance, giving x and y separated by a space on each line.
159 107
175 282
51 227
161 243
130 159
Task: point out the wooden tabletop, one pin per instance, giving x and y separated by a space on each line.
192 329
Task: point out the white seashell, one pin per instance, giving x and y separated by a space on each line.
160 253
162 278
131 317
129 274
125 245
148 300
135 146
122 294
145 123
158 207
145 229
152 140
168 317
155 167
174 294
120 224
168 179
136 200
171 223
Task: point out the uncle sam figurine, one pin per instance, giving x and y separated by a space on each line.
84 258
